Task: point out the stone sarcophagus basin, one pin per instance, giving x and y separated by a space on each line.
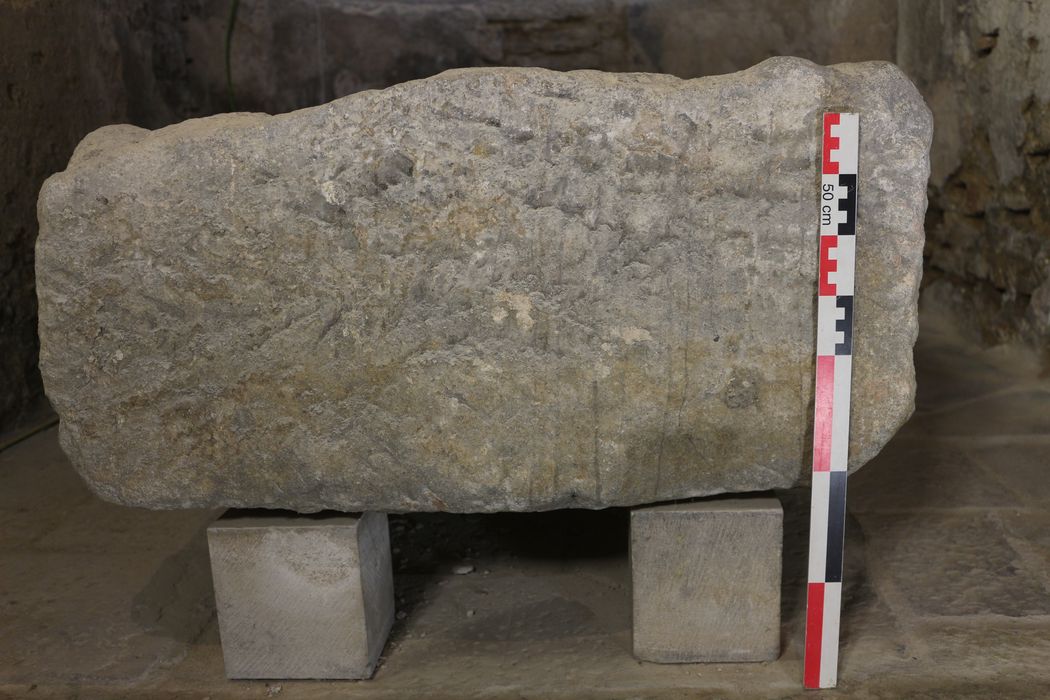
493 289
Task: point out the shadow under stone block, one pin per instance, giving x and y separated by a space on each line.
302 596
706 580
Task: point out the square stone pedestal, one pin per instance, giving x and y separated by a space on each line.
706 580
302 596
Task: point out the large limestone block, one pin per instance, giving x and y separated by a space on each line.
494 289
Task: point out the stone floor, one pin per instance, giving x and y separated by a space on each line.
947 594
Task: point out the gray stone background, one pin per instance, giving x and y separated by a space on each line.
70 66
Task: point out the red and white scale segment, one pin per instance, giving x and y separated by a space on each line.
838 223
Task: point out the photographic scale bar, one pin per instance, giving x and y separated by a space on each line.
834 364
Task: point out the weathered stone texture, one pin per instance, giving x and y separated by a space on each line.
496 289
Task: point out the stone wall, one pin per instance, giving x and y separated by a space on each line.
984 68
297 53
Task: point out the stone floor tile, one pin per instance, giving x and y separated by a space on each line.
950 564
35 475
988 648
1021 467
123 529
949 378
919 474
82 618
1023 413
1029 535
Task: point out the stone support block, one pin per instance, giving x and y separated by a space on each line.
706 580
302 596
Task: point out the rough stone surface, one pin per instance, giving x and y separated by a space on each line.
301 597
498 289
705 580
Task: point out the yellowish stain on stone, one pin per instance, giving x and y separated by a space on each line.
333 193
632 335
520 304
485 366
